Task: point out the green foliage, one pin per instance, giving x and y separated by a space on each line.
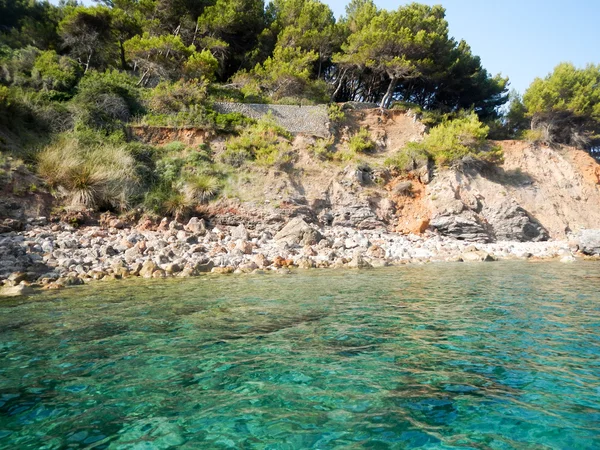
56 73
86 32
361 142
335 113
407 159
229 29
456 141
182 178
98 176
566 89
161 57
169 98
407 54
565 106
201 65
200 188
163 199
516 120
106 100
264 142
321 149
286 74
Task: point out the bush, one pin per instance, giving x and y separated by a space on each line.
99 176
451 142
183 177
361 142
106 100
264 142
163 199
321 149
407 159
200 188
336 113
172 98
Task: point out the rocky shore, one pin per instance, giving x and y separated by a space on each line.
54 255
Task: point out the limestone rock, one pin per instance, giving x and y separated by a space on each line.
16 291
465 227
589 242
196 226
510 222
148 269
477 256
240 232
297 232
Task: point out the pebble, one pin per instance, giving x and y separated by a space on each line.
58 255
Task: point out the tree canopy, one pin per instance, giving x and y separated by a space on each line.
280 49
565 105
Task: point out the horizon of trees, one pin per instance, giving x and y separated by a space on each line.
283 51
278 50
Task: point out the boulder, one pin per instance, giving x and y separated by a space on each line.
148 269
359 262
16 291
240 232
466 226
510 222
477 256
298 232
196 226
589 242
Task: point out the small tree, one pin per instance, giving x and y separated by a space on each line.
565 106
88 37
458 142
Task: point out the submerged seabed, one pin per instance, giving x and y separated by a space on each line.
440 356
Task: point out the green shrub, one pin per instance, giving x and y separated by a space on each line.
163 199
172 98
55 73
200 188
361 142
321 149
407 159
534 136
453 141
336 113
264 142
100 176
106 100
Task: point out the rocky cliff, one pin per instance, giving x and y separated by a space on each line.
537 194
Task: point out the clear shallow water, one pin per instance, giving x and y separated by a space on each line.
492 356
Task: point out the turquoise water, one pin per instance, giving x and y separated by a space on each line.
490 356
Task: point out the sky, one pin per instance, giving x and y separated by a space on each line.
521 39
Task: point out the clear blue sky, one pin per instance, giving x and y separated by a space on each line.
523 39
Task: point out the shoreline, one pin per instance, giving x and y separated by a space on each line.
53 256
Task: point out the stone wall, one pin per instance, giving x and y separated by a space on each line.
312 120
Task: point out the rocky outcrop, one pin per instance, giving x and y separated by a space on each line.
471 207
589 242
465 226
298 232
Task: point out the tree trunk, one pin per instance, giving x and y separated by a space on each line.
123 60
87 64
339 86
388 94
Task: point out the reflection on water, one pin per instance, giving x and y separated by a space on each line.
493 356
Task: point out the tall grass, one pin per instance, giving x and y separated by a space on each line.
90 176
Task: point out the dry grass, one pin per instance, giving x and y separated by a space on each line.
89 177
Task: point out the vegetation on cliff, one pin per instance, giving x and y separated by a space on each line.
75 78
